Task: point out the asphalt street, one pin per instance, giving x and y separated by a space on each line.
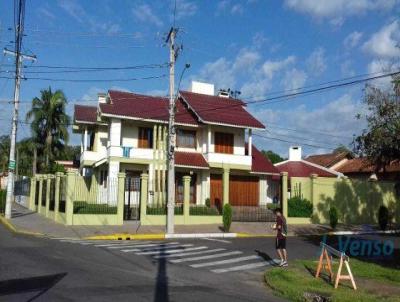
59 269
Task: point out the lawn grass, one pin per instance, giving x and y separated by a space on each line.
374 282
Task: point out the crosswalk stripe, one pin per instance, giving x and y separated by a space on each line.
241 267
217 240
126 245
171 251
136 249
122 243
233 260
206 257
188 254
161 249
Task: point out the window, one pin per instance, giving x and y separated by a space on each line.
145 138
186 138
223 142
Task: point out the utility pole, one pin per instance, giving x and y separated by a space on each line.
171 134
18 60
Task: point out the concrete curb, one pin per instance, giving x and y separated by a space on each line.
14 230
202 235
127 237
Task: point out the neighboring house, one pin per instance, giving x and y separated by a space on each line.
330 160
127 132
361 168
68 165
298 167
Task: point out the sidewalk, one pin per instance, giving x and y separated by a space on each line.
26 221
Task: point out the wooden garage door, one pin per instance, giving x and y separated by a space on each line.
216 190
243 190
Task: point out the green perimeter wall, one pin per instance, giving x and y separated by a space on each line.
357 201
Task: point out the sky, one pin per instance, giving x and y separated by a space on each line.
262 48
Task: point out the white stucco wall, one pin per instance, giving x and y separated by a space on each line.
129 134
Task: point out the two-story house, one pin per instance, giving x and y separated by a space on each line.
127 132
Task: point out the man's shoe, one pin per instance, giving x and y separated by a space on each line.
284 264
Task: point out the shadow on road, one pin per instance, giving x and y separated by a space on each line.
266 257
161 291
33 284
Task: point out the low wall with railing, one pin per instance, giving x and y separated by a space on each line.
72 199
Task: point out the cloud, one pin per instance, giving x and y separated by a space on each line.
145 14
316 61
294 79
352 39
219 72
246 60
324 119
185 8
385 42
237 9
269 68
337 10
45 12
76 11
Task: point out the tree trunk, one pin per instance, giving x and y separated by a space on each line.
34 163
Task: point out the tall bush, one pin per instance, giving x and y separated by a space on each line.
227 217
383 217
333 217
299 207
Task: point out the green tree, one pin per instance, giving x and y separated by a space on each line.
49 123
380 142
342 149
4 151
272 156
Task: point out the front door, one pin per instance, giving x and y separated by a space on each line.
216 190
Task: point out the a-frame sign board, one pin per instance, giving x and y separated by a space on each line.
325 262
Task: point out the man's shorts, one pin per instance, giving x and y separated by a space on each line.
280 243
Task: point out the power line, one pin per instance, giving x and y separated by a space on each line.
91 80
308 131
100 68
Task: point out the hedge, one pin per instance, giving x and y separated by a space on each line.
299 207
203 211
162 210
82 207
3 194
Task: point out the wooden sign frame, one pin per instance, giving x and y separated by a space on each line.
325 262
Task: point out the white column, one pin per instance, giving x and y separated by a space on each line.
115 132
82 138
85 140
209 140
250 142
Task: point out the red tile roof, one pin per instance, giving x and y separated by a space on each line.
260 163
190 159
328 160
86 114
145 107
302 169
362 165
220 110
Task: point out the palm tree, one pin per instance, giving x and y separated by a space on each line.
49 122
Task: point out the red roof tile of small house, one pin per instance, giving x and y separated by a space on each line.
302 169
260 163
329 159
86 114
145 107
190 159
362 165
220 110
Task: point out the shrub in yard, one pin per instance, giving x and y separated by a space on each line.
299 207
383 217
2 200
333 217
208 202
82 207
203 211
227 217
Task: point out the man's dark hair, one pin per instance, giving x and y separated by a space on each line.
278 210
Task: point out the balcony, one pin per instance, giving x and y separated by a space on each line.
130 152
231 159
90 157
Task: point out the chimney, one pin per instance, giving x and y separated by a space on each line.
295 153
223 93
203 88
102 97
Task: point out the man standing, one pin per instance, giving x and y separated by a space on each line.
281 233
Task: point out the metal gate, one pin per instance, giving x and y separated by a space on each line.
132 198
